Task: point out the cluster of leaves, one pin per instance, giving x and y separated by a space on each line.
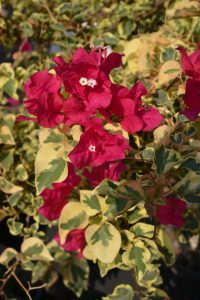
122 231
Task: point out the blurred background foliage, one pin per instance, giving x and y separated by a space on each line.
34 31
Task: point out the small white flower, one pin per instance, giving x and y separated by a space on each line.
83 81
91 83
92 148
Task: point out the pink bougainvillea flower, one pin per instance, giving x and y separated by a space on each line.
56 198
106 62
75 113
190 63
25 46
13 102
127 106
44 100
22 118
172 212
87 77
48 110
110 170
96 147
192 99
40 84
75 241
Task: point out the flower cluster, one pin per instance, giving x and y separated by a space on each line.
191 68
81 92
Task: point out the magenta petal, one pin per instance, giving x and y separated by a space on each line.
21 118
152 118
110 170
191 113
137 91
99 100
97 146
113 60
186 63
172 212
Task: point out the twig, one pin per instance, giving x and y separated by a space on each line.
22 286
6 279
30 288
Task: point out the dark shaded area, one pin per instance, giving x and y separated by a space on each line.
182 281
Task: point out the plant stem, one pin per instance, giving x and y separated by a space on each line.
22 286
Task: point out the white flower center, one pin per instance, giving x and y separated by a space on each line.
89 82
83 81
92 148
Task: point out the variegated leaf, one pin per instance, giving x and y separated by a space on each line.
121 292
104 241
73 216
51 159
34 249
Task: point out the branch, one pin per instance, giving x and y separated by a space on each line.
22 286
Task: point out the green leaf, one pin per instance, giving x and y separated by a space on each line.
105 267
102 234
14 198
188 188
7 255
73 216
6 136
6 158
75 276
53 137
169 54
74 222
136 213
138 257
165 247
51 160
104 241
27 29
121 292
50 175
143 229
8 187
165 159
58 27
10 87
21 173
91 202
116 205
190 163
34 249
15 227
110 39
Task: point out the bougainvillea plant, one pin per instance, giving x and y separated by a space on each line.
86 126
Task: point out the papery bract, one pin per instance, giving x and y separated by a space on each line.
25 46
190 63
111 170
97 146
75 112
172 212
44 100
192 99
48 111
75 241
87 77
127 106
13 102
56 198
42 83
